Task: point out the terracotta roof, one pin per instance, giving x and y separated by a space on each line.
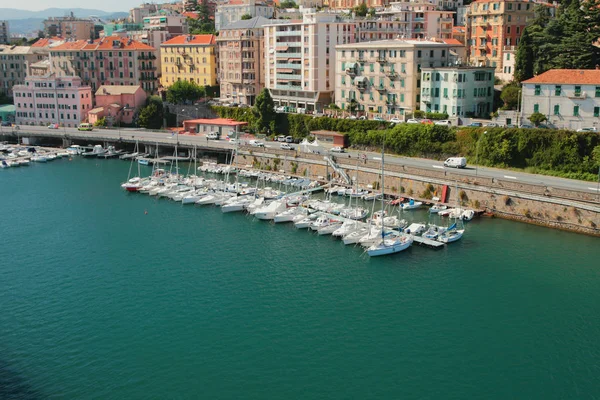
117 90
106 43
215 121
191 14
454 42
568 76
190 39
459 29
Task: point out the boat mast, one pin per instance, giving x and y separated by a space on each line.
382 190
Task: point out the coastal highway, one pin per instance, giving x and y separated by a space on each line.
200 140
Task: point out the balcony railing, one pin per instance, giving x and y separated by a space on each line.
391 74
147 57
577 95
288 33
293 77
351 71
381 88
288 55
381 59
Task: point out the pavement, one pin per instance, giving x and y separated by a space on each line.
200 140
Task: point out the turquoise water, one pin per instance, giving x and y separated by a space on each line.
99 300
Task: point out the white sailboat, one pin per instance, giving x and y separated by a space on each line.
453 233
387 244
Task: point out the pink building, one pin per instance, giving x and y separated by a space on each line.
49 99
118 104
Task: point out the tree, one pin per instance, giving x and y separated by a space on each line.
361 10
371 12
288 4
510 97
265 110
537 118
182 92
246 16
524 57
151 116
100 122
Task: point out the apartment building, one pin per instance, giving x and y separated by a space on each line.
459 91
137 14
4 33
117 104
50 99
175 25
241 60
70 27
408 20
233 11
349 4
108 61
384 77
493 26
569 98
190 58
509 56
300 59
14 61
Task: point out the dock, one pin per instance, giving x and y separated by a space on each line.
427 242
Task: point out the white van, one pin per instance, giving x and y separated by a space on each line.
456 162
213 136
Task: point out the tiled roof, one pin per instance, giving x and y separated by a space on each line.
215 121
106 43
256 22
190 39
191 14
117 90
568 76
454 42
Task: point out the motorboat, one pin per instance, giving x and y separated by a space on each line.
452 234
289 214
97 150
329 229
433 231
371 196
209 198
133 184
436 208
257 204
415 228
270 211
39 158
390 245
411 205
75 150
306 222
236 204
467 215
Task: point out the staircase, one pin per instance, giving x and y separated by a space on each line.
339 170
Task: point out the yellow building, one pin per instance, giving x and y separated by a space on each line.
190 58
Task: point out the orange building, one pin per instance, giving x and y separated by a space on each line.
493 26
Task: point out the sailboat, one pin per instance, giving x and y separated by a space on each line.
133 184
453 233
388 244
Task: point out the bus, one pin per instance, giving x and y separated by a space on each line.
84 127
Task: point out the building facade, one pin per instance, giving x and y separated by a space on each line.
52 99
70 28
190 58
174 24
569 98
108 61
508 64
233 11
117 104
408 20
384 77
14 62
223 126
4 33
300 59
494 26
349 4
459 91
241 60
137 14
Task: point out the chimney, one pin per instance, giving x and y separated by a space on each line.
597 67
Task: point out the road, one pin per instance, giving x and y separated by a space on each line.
200 140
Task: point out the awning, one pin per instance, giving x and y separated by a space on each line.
361 79
351 65
294 59
282 48
285 70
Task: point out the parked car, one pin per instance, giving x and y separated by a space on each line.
427 121
362 118
491 125
412 121
525 126
233 105
213 136
396 120
286 146
444 122
53 126
456 162
337 149
234 141
476 124
6 123
281 138
351 117
289 139
280 109
592 129
85 127
378 119
301 110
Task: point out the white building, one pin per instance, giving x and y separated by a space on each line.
569 98
233 11
508 64
409 19
459 91
300 59
384 77
44 100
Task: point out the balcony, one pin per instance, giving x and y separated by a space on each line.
289 44
391 103
288 33
381 59
147 78
289 77
147 68
381 89
287 65
288 55
391 74
577 95
146 57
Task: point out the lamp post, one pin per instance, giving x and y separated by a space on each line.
477 154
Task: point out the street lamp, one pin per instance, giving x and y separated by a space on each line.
477 153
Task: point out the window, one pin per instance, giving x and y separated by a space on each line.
538 90
446 92
536 108
557 90
419 54
576 111
577 90
596 111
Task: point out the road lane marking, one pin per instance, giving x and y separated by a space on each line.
510 177
597 190
376 158
437 166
